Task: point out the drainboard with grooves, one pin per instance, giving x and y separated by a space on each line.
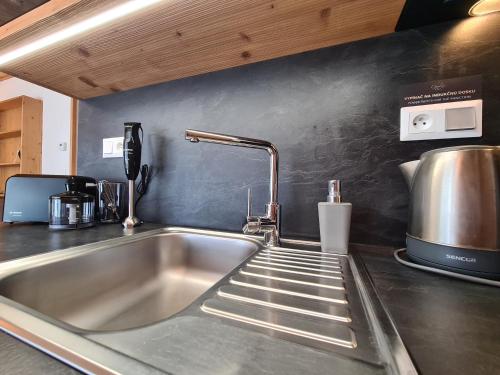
302 296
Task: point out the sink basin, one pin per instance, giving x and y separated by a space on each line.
127 285
104 307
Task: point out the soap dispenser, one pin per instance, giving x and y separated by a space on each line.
334 221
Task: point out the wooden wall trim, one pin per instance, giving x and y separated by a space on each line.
34 16
11 9
73 137
4 76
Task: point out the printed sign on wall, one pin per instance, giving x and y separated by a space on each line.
442 91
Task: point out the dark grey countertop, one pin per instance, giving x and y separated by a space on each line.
449 326
22 240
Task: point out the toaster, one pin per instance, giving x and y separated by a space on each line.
27 196
454 220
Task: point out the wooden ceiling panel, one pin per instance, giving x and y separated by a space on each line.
180 38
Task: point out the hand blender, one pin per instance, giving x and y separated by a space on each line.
132 162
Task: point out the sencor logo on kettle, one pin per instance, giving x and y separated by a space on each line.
461 259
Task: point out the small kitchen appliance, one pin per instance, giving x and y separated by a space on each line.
132 147
26 195
454 220
71 209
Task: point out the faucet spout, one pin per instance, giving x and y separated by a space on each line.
231 140
270 223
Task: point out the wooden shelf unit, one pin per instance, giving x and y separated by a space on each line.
10 164
10 134
20 138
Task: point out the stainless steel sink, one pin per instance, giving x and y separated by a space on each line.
127 285
174 299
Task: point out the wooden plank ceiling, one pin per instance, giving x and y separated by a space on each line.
4 76
180 38
10 9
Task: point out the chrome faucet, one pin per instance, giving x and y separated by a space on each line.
269 224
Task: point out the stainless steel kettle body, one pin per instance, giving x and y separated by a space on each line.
454 220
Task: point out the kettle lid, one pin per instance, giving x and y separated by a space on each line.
461 148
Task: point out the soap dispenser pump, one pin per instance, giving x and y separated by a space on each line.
334 221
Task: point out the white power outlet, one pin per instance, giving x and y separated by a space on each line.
112 147
421 122
443 120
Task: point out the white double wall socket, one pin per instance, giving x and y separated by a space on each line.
442 120
112 147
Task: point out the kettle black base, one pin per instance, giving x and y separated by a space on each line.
474 262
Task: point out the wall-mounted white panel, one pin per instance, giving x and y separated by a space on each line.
112 147
443 120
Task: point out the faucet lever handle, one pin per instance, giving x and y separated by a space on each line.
249 202
253 223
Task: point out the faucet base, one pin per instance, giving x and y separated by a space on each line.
131 222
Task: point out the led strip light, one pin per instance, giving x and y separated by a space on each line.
91 23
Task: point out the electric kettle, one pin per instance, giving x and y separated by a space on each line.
454 218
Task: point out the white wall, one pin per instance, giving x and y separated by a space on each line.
56 122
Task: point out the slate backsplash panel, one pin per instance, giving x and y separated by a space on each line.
332 113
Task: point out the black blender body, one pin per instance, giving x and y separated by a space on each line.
132 148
